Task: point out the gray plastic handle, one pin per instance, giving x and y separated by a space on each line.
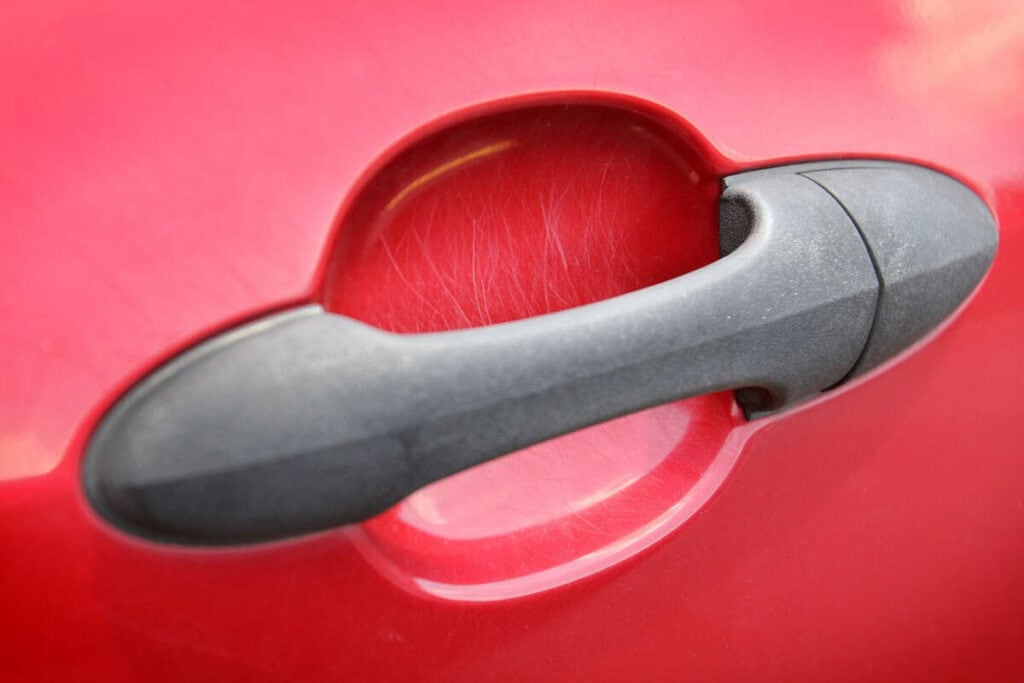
307 420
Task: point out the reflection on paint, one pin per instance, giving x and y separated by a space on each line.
963 61
448 167
564 476
680 505
22 454
561 510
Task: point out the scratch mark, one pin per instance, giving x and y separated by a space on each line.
401 276
427 256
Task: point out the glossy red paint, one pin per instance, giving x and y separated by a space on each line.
169 171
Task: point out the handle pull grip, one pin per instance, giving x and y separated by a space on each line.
307 420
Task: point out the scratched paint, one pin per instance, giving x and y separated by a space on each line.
517 214
523 213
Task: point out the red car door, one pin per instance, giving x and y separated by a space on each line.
172 173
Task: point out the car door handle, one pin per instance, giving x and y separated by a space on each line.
307 420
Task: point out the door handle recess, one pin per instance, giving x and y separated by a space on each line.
307 420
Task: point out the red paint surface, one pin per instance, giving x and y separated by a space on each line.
166 172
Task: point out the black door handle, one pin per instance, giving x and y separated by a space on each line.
307 420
